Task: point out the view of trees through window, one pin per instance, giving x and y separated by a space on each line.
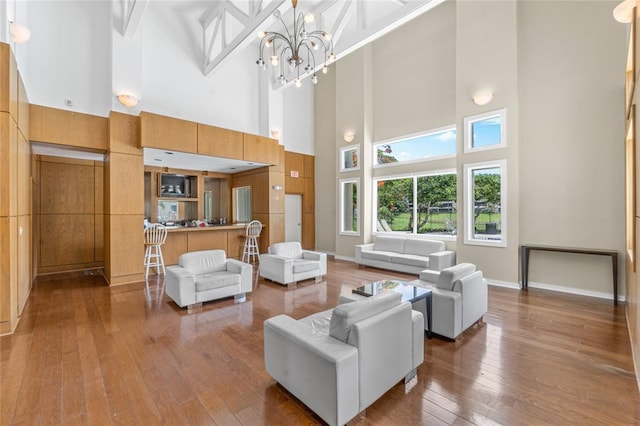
487 202
418 204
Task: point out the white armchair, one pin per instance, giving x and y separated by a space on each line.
459 298
340 361
286 263
206 275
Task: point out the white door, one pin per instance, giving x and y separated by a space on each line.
293 217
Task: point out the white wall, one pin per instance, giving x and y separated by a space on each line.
68 55
297 118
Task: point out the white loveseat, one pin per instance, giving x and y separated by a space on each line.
404 254
286 263
206 275
459 298
339 361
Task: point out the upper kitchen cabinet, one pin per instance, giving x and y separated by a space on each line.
63 127
219 142
159 131
261 149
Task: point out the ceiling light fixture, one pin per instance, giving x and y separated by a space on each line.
295 47
128 100
349 137
19 33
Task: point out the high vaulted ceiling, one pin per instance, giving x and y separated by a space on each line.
227 26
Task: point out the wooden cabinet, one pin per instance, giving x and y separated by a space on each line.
159 131
219 142
261 149
68 128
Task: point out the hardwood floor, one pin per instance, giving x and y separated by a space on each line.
85 353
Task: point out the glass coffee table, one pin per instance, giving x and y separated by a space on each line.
410 293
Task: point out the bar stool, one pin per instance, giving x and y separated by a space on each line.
154 237
251 250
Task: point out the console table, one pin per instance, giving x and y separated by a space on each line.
524 258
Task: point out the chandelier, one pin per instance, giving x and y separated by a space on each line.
296 48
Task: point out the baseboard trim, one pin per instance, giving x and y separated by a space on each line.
557 288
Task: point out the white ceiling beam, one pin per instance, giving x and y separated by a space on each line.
132 12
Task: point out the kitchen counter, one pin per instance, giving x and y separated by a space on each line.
206 228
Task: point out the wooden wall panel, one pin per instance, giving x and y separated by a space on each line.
294 161
125 184
175 245
24 175
8 81
220 142
308 231
261 149
159 131
309 166
126 248
69 128
24 260
281 159
124 133
66 186
8 165
293 185
8 273
23 109
66 239
276 198
260 193
215 240
98 230
309 197
276 228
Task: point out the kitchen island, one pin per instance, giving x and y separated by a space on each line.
185 239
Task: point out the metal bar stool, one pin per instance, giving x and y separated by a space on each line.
154 237
251 250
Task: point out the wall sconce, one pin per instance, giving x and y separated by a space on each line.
277 188
482 97
623 12
349 137
275 134
128 100
19 33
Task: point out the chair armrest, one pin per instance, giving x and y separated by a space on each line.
276 268
180 285
442 259
474 290
363 247
296 358
246 273
418 322
316 255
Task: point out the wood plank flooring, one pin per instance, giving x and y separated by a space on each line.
88 354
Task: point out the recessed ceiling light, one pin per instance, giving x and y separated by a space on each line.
168 152
158 159
249 164
232 168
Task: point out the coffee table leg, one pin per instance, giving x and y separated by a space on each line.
427 301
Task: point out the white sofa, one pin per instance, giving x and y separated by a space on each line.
404 254
286 263
206 275
338 362
459 298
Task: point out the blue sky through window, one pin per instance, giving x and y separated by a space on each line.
420 147
486 132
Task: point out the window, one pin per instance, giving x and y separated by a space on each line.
349 206
485 131
424 204
349 158
425 146
485 201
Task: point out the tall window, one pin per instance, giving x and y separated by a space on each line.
425 146
349 206
424 204
485 199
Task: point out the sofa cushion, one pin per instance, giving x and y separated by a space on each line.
346 315
200 262
448 276
292 250
411 260
301 265
318 323
209 281
423 247
380 256
385 243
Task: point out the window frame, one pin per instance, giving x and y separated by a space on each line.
341 229
414 176
344 150
468 130
469 203
443 129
